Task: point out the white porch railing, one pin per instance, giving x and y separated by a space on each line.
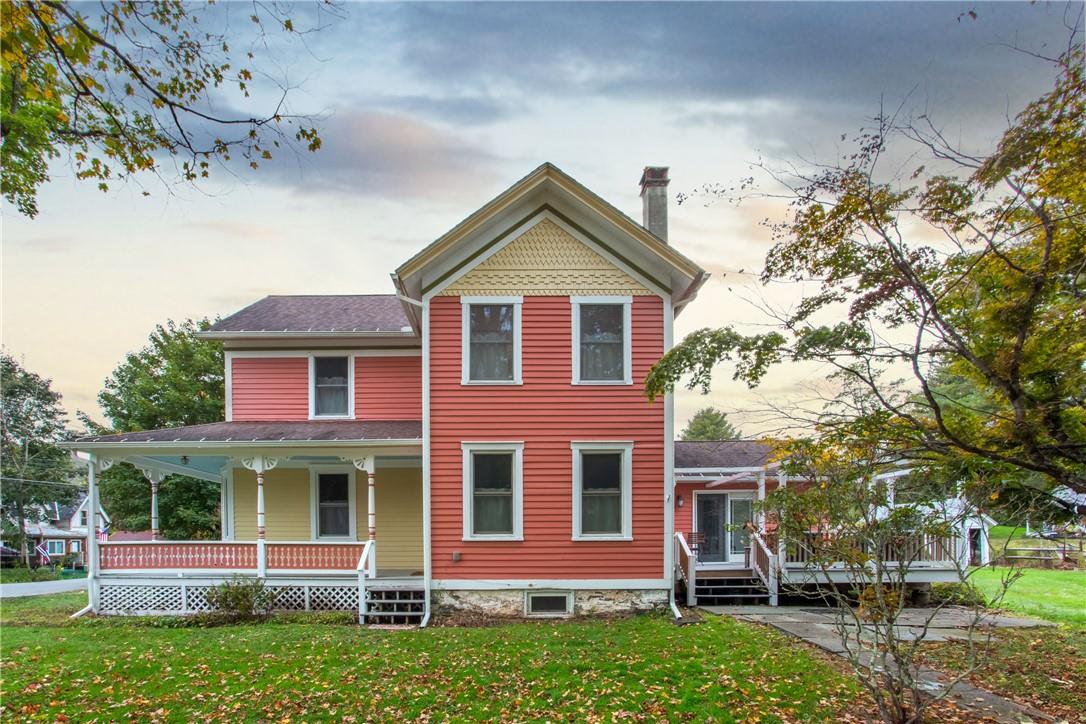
366 568
765 564
685 566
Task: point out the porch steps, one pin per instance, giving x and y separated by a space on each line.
730 591
396 605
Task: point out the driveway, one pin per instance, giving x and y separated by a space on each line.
41 588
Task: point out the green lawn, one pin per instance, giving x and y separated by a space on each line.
643 667
1058 596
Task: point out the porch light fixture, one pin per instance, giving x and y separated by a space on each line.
184 459
680 501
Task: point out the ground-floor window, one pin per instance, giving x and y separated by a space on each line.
493 474
602 498
55 547
77 546
333 504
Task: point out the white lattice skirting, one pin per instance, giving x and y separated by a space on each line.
168 597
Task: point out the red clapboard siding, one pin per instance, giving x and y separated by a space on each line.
388 388
546 412
270 388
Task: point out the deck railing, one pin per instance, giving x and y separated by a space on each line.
918 548
247 556
764 562
685 565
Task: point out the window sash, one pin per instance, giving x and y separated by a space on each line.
333 513
603 499
492 507
331 391
602 341
491 342
54 547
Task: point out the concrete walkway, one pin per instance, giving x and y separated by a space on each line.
42 588
816 626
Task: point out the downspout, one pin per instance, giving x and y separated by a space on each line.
671 602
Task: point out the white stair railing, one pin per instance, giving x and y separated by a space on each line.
366 569
764 563
685 564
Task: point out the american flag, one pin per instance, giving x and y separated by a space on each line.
44 553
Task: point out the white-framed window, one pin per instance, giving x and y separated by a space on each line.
332 499
601 340
331 386
490 340
602 490
77 546
83 519
548 604
493 490
55 547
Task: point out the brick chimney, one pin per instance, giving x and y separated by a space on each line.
654 182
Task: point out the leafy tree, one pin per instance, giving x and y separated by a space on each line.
36 470
137 86
176 380
709 423
1000 301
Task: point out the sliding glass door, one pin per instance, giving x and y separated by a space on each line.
720 520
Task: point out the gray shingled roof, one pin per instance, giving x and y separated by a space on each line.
281 431
319 313
721 454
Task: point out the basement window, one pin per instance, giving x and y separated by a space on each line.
548 604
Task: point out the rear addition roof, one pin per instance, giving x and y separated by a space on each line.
345 314
721 454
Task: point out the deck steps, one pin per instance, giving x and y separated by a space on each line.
395 606
729 590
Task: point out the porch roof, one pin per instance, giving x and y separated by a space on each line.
274 431
721 454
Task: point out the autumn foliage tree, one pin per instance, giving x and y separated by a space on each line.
998 299
137 87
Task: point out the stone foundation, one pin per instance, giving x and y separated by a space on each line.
510 603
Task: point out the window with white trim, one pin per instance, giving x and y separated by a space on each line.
548 604
330 378
55 547
602 497
601 340
77 545
490 331
493 491
83 518
333 497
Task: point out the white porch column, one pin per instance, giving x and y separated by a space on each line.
155 477
761 499
782 547
260 465
92 532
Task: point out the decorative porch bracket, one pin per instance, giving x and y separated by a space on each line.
260 464
154 477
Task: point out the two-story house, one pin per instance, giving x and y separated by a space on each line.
480 438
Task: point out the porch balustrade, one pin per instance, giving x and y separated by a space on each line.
918 548
230 555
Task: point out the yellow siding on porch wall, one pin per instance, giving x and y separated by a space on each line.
399 517
286 504
288 511
545 260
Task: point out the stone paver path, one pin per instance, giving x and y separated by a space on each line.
816 626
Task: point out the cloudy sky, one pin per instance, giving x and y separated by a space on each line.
428 111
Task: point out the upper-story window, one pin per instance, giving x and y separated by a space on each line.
491 340
330 382
601 340
83 518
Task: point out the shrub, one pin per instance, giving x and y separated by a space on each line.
242 599
870 607
957 594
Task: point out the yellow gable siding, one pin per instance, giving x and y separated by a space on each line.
545 260
288 511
